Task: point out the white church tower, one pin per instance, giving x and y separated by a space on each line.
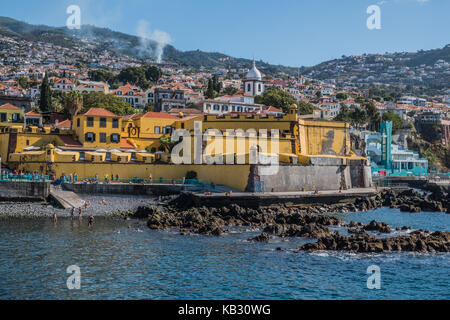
253 84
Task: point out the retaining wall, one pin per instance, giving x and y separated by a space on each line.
24 190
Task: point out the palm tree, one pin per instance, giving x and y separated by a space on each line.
73 103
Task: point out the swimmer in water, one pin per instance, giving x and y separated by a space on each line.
55 218
91 221
80 213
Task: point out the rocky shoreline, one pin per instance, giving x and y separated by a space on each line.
310 221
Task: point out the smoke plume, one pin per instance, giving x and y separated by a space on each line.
152 43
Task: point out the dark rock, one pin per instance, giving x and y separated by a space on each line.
378 226
264 237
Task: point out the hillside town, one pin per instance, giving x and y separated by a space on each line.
38 81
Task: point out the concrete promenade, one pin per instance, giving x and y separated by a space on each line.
291 198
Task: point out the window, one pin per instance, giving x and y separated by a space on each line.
90 137
90 121
3 117
115 138
102 122
115 123
157 130
167 130
216 107
78 122
259 87
249 87
103 137
28 142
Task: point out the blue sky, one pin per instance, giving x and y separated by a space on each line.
289 32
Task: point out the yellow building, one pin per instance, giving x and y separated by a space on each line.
145 130
98 128
11 115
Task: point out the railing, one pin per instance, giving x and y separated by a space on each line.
200 185
25 177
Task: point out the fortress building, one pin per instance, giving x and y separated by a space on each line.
309 154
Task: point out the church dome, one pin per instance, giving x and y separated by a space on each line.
254 73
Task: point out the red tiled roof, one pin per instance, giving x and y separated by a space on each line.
69 141
125 145
100 112
185 111
273 109
65 124
159 115
9 107
33 114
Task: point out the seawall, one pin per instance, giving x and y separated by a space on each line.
127 189
250 200
24 190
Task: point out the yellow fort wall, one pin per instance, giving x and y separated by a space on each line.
324 138
234 176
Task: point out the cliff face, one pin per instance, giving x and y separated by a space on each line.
437 154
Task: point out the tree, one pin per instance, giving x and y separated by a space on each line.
353 115
277 98
133 75
305 108
341 96
373 116
318 94
210 94
230 91
217 85
149 107
102 75
45 100
153 73
73 103
168 143
23 82
106 101
397 122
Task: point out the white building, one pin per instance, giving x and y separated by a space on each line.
253 84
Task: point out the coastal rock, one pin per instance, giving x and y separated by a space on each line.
264 237
417 241
381 227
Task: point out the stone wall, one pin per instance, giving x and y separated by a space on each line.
323 174
24 190
131 189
